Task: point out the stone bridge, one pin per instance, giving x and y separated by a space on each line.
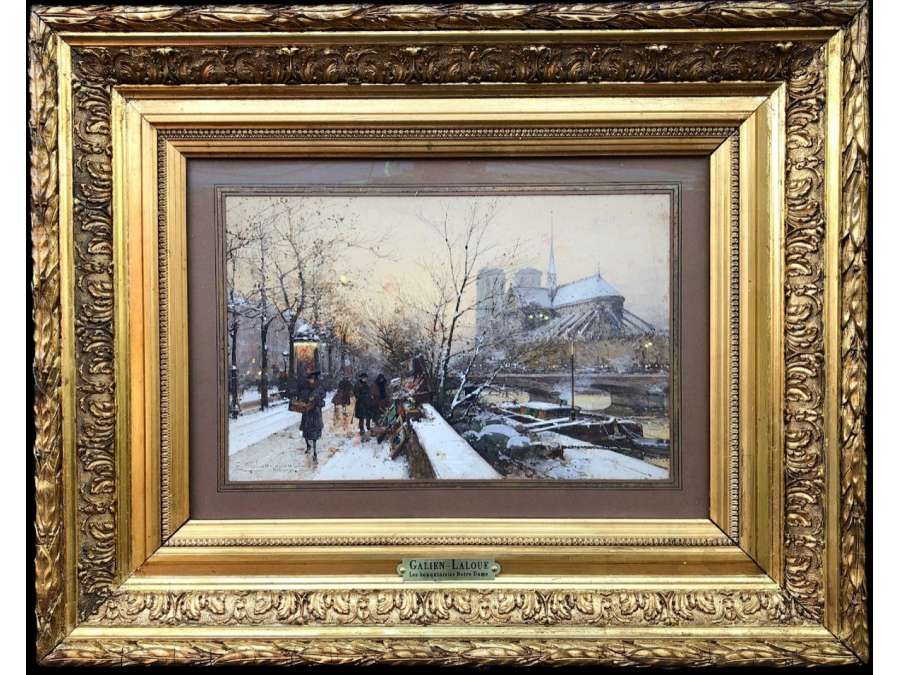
631 394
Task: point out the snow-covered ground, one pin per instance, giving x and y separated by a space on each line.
582 460
597 463
354 460
281 455
252 427
268 446
251 395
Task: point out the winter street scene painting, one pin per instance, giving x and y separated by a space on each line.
443 334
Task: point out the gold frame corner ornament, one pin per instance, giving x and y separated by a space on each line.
775 94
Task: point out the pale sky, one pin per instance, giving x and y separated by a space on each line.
624 237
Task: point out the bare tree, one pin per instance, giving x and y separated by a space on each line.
234 311
308 243
263 310
464 252
248 247
396 334
477 373
436 324
237 241
339 321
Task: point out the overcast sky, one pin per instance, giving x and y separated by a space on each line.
624 237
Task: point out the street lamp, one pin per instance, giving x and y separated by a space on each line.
644 347
572 376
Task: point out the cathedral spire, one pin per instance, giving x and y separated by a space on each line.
551 264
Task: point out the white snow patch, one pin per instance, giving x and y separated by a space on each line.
250 395
582 460
363 461
253 427
553 439
514 439
502 429
539 405
582 463
449 454
518 442
583 290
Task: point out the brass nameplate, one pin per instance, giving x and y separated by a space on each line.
426 569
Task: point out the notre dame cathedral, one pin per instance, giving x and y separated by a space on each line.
585 310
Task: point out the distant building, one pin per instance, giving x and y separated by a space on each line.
489 287
586 309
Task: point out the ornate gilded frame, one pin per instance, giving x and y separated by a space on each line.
775 93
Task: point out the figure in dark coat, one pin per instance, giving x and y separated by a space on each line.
341 400
381 394
363 408
313 398
344 392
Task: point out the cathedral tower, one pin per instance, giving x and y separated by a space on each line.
490 285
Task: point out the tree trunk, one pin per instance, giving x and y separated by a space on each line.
232 375
291 365
264 322
264 364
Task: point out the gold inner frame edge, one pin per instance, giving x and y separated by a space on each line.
190 112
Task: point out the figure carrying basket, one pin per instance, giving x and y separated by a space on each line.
310 401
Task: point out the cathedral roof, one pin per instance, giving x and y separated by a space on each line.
530 295
573 293
583 290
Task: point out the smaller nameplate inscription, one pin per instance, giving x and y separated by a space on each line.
427 569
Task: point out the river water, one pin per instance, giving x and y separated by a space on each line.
589 401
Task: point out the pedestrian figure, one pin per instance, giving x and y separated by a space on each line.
341 399
381 396
312 397
363 408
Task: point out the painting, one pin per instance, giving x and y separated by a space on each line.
449 333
